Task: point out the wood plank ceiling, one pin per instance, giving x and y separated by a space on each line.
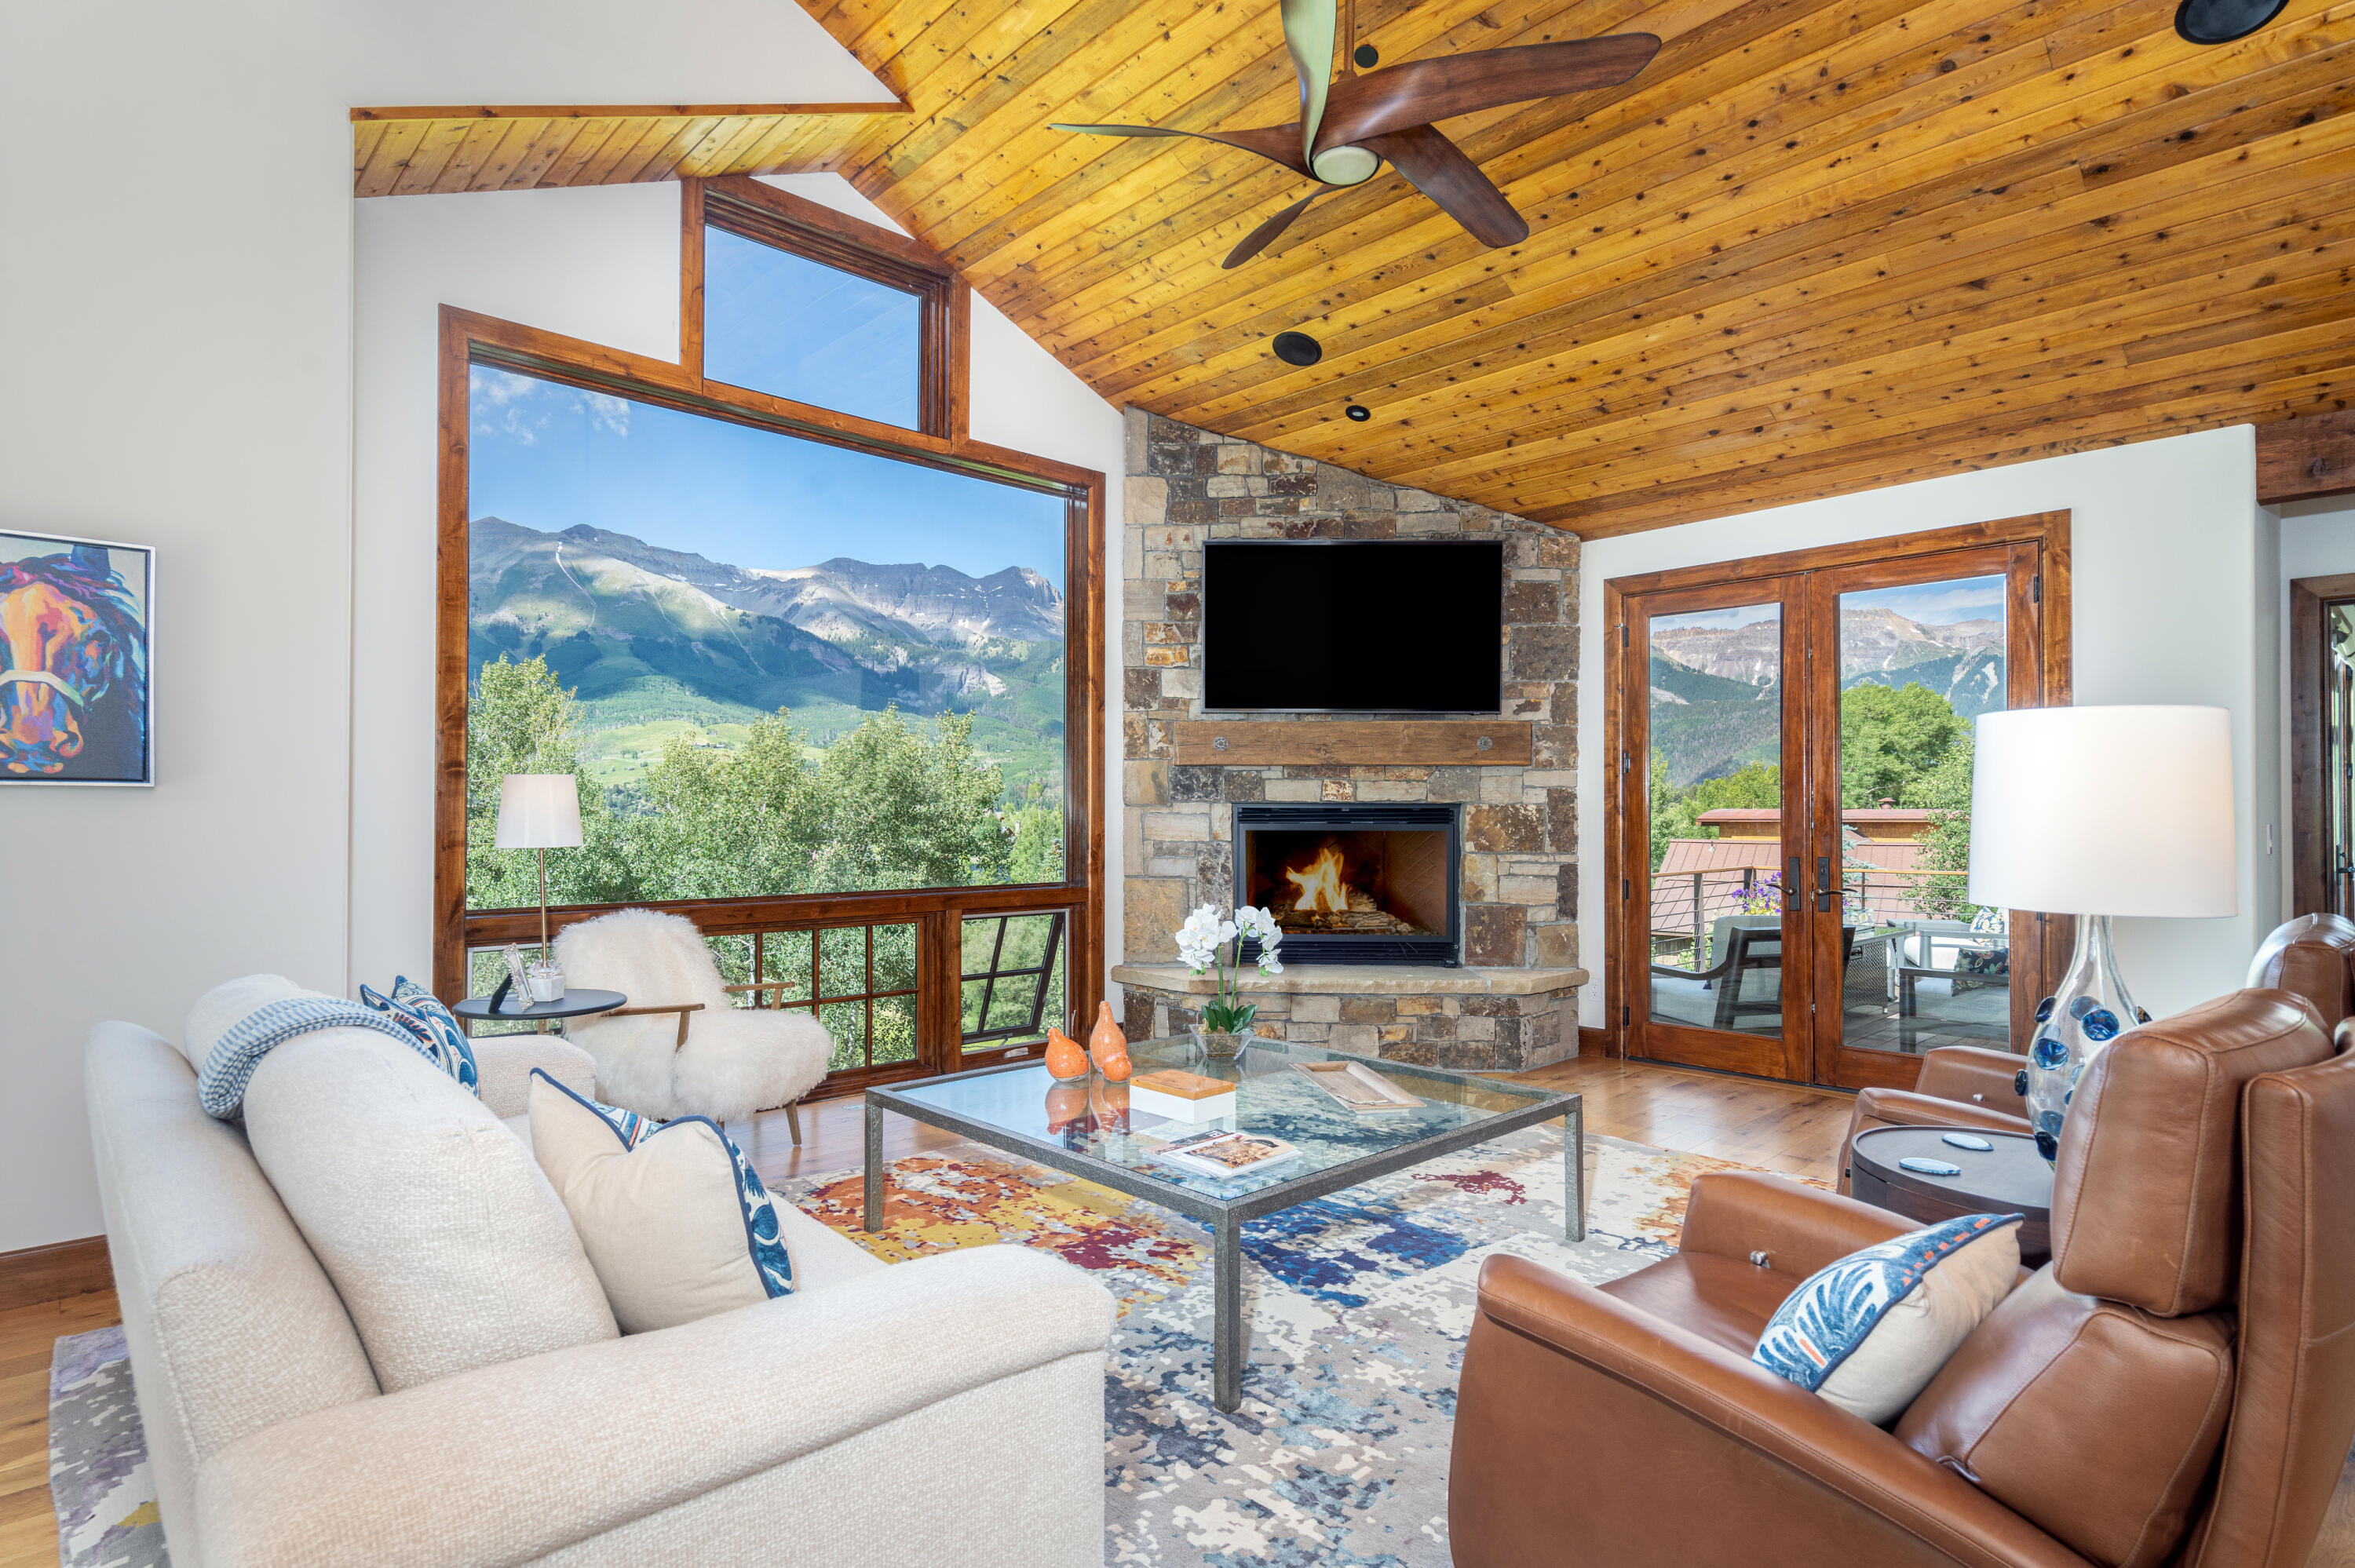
1819 246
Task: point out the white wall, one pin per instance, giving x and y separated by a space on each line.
2171 571
597 264
177 369
2317 540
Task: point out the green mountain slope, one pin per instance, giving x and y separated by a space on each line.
645 638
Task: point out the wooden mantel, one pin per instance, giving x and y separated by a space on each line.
1365 743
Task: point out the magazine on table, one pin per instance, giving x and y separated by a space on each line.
1226 1155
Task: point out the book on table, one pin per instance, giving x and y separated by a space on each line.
1226 1155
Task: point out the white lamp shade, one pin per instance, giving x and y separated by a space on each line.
2105 810
539 810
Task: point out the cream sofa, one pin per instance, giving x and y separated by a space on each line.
945 1411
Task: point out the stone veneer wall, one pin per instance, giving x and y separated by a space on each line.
1519 887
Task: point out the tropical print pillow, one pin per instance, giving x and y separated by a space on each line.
1869 1332
438 1034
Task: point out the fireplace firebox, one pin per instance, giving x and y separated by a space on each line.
1353 884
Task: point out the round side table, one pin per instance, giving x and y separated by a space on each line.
571 1005
2009 1178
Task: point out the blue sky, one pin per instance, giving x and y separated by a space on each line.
1936 604
548 457
1928 604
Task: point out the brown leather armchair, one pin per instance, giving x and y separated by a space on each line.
2177 1387
2313 956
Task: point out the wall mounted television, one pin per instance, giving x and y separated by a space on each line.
1353 626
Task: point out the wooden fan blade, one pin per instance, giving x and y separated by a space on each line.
1438 168
1259 238
1423 91
1276 143
1310 27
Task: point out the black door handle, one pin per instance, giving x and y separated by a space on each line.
1823 882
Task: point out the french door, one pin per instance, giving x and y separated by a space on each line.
1790 749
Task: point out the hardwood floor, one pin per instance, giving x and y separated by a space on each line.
1776 1126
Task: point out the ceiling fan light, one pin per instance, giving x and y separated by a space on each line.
1297 348
2222 21
1366 56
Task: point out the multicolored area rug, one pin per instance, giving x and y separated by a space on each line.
98 1459
1360 1306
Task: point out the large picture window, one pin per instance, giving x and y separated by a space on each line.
826 686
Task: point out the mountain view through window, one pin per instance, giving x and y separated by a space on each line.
774 666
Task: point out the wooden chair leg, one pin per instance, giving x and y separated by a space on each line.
794 1119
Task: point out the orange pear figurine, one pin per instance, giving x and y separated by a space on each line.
1108 1045
1065 1059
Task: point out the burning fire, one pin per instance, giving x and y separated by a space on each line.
1320 885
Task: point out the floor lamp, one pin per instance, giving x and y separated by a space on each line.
539 812
2094 812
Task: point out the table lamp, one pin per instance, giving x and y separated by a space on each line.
2098 812
539 812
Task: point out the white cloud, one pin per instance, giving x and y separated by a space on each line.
605 413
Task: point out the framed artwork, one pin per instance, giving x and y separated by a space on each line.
77 619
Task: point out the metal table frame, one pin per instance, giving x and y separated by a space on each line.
1226 1218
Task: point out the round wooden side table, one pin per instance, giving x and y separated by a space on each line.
2009 1178
571 1005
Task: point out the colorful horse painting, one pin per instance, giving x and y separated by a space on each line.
73 669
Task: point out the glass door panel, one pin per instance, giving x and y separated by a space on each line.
1708 767
1923 967
1716 801
2338 757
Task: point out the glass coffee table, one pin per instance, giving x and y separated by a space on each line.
1021 1110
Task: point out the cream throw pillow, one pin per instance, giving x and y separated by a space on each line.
444 1239
675 1222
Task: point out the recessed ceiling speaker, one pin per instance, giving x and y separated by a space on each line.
2222 21
1366 56
1297 348
1359 412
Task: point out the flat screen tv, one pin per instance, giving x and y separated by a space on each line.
1350 626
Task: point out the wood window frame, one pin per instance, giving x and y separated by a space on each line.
2040 941
741 206
469 338
2309 667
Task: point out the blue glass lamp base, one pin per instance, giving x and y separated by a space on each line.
2075 1025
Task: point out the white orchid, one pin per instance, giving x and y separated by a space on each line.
1209 941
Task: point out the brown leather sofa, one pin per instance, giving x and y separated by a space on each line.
2176 1390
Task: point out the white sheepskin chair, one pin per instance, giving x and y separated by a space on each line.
661 1057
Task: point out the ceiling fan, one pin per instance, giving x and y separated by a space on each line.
1349 127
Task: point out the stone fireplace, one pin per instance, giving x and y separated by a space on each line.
1357 978
1353 884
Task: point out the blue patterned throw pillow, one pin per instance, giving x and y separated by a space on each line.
438 1034
1869 1332
674 1220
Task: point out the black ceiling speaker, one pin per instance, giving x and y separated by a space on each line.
2222 21
1359 412
1297 348
1366 56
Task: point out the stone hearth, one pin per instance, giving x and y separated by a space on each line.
1475 1020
